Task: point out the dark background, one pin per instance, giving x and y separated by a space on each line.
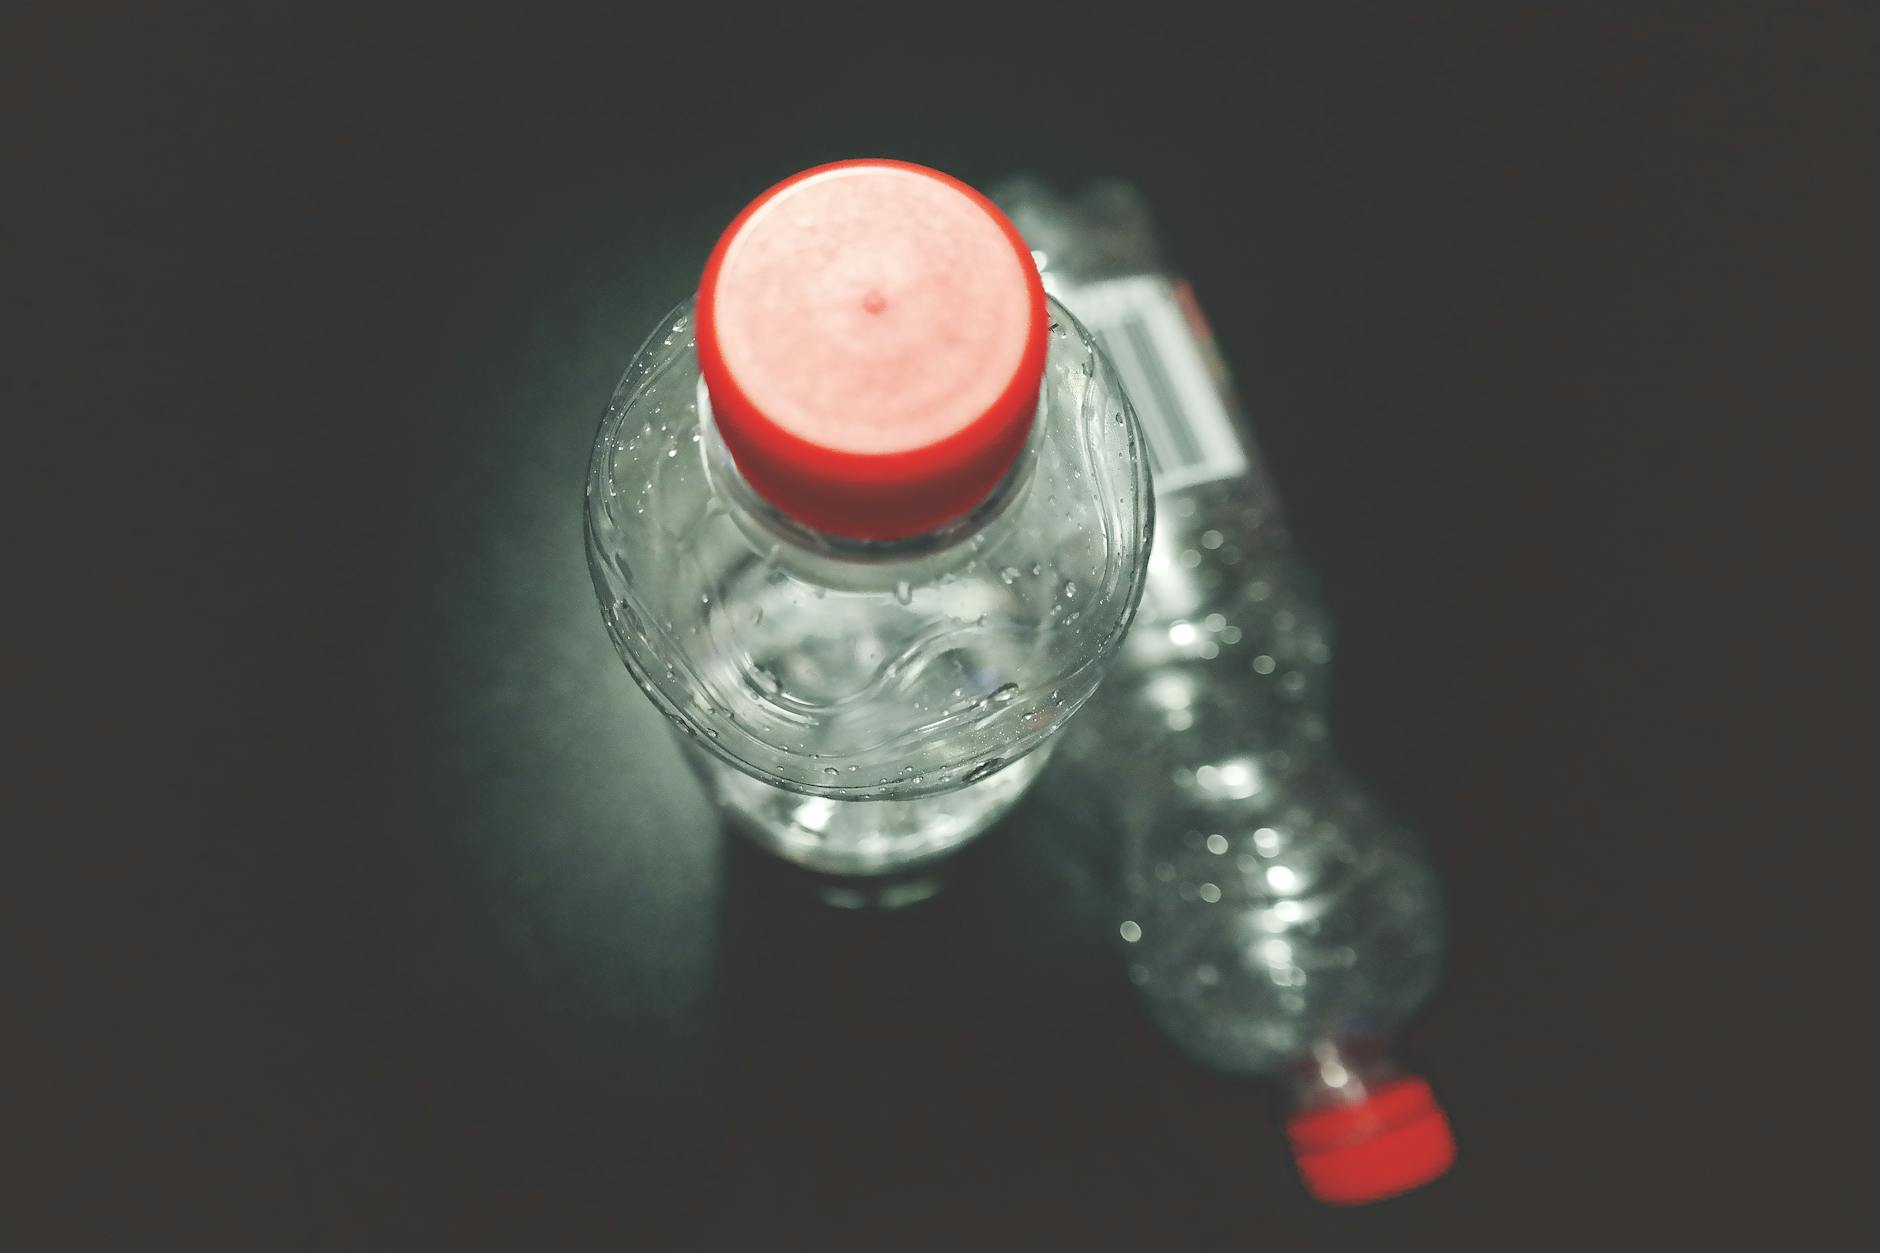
358 901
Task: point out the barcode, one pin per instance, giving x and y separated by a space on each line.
1140 323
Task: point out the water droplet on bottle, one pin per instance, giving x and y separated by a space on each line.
903 592
1009 575
1036 569
831 771
983 769
1070 590
1003 694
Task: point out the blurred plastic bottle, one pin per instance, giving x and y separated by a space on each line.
1276 925
1290 935
868 518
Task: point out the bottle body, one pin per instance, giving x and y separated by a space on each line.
1270 932
861 706
1274 924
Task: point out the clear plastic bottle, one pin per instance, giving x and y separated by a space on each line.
1290 934
1275 925
1231 622
868 518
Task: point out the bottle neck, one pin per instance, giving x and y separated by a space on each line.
842 562
1340 1072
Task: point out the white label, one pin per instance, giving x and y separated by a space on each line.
1164 364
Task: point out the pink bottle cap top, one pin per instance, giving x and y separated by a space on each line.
872 335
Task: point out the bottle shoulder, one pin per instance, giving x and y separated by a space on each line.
1265 926
848 672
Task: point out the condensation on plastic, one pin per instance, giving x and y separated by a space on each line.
867 672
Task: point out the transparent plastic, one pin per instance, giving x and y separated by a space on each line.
1275 923
1277 932
860 707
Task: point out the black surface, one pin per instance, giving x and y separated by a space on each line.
368 906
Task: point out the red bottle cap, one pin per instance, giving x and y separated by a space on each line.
872 335
1395 1139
